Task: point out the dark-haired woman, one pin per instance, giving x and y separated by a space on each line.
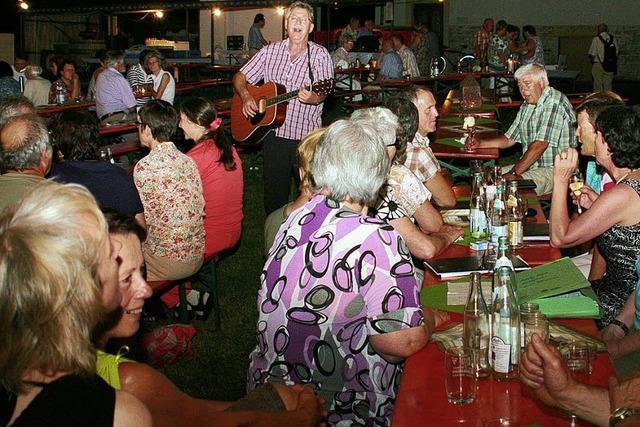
220 171
613 217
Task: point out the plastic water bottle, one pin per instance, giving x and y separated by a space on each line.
60 93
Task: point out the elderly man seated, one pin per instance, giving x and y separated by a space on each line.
544 126
390 62
340 59
114 97
409 64
25 156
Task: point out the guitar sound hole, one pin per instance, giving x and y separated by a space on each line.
257 118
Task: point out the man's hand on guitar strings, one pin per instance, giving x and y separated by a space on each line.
249 106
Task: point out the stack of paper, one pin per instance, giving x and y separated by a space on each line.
559 288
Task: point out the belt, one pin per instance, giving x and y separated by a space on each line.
106 116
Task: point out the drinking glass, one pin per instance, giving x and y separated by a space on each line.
460 381
577 357
577 182
536 323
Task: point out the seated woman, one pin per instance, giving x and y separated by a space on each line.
164 86
338 288
403 199
305 151
54 245
76 136
168 405
220 171
171 192
613 217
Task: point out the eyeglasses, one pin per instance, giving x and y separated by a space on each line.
138 123
396 145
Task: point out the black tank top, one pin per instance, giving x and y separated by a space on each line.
72 400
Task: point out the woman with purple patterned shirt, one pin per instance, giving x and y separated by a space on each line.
338 304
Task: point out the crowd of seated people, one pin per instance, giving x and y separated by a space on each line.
340 280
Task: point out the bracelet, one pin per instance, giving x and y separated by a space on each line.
621 325
621 414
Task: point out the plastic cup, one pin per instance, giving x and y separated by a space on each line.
460 380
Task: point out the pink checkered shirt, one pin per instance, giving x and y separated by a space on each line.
273 63
421 160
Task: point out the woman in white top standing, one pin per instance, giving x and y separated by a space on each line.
164 86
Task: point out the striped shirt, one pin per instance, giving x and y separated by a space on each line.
137 76
273 64
550 119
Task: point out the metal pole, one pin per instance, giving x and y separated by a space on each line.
213 49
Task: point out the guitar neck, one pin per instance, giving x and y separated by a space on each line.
275 100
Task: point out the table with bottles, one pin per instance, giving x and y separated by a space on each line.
422 400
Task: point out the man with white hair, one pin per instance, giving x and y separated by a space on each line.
25 154
544 126
114 97
36 88
15 106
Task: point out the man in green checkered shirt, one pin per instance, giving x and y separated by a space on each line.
545 126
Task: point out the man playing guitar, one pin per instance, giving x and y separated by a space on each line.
294 63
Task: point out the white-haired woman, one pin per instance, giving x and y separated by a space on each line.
338 288
55 247
403 196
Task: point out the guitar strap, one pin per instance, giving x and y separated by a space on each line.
309 64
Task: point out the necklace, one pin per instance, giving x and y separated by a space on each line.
625 175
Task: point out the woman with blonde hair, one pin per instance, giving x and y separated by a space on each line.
164 86
58 273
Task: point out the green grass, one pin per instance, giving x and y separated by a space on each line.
218 368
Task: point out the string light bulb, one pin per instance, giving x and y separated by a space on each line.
24 5
280 10
158 14
217 12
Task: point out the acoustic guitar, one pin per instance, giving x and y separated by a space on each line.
271 98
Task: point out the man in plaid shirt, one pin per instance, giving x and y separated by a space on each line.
287 63
544 126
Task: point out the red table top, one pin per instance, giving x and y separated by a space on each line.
421 399
46 110
445 131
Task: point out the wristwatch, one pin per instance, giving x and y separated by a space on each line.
621 414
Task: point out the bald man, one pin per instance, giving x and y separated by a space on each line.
25 155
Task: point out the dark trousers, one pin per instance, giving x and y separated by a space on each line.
280 163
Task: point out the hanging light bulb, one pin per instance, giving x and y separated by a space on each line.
217 12
159 14
280 10
24 5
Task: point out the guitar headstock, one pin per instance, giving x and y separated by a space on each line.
323 87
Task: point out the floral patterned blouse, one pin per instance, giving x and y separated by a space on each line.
171 192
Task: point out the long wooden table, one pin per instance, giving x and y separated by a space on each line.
421 399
